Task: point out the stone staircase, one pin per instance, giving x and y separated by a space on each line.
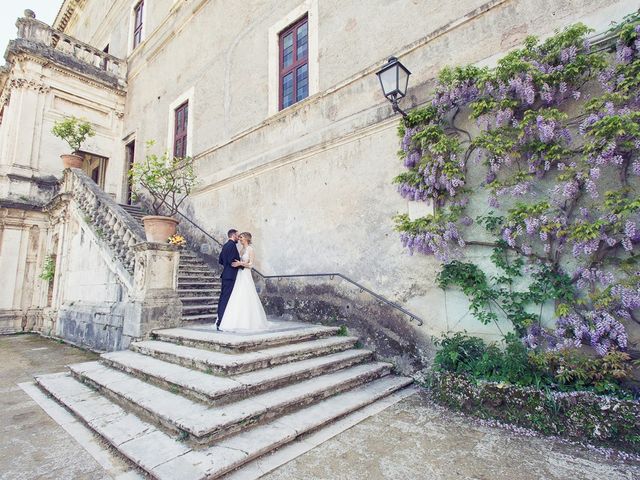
198 284
193 403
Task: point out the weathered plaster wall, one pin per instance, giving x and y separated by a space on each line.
23 238
312 183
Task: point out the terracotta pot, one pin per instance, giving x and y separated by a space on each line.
71 160
158 229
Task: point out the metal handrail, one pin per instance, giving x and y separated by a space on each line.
312 275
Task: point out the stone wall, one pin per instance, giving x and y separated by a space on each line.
23 248
47 76
91 298
313 182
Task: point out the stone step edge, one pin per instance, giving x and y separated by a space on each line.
179 465
260 343
243 390
189 355
206 434
194 299
201 306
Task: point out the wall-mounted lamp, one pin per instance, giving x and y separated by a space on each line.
394 78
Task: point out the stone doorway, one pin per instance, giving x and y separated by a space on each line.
96 167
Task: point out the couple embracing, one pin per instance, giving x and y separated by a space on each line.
239 305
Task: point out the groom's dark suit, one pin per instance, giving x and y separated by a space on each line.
228 255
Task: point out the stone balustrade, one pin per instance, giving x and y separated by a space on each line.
39 33
109 220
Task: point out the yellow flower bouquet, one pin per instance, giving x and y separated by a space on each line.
177 240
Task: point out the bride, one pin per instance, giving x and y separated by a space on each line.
244 310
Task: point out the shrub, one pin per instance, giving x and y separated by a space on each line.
573 370
169 180
48 269
564 370
458 352
74 131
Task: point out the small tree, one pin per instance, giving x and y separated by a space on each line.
74 131
169 180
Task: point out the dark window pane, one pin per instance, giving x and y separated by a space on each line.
137 27
287 90
302 81
302 42
180 136
287 46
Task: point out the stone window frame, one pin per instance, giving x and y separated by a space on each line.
297 62
132 24
180 136
186 97
308 8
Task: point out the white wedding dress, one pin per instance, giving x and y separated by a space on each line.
244 310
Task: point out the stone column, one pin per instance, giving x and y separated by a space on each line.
155 302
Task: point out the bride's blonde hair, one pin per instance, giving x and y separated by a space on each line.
246 235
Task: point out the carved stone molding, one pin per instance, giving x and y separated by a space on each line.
15 83
28 84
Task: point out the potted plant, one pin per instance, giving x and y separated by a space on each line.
74 131
168 180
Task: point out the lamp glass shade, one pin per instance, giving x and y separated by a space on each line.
394 79
389 81
403 79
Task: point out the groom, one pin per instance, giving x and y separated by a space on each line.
228 255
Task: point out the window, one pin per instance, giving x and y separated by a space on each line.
180 130
130 153
137 24
294 63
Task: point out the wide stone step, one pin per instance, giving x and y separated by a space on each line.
210 339
167 458
199 268
205 424
199 299
191 291
187 255
201 317
204 306
214 389
191 273
232 364
197 276
197 282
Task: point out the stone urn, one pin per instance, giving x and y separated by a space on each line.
158 229
71 160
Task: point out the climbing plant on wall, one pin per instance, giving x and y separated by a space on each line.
554 128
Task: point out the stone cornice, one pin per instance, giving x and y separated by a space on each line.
10 204
67 9
12 81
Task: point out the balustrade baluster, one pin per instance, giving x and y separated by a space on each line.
119 245
101 211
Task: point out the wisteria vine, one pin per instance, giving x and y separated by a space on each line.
558 139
